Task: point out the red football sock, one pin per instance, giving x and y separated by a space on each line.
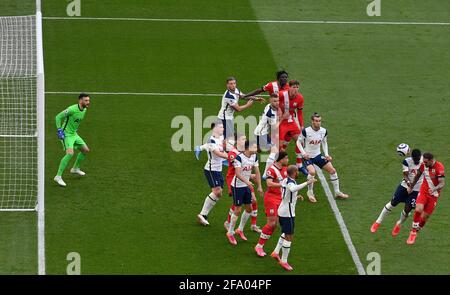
254 212
230 212
417 219
422 223
267 231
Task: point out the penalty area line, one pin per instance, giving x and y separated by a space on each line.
340 220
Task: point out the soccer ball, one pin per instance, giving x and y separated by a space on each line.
402 149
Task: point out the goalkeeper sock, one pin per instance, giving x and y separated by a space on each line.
79 159
63 164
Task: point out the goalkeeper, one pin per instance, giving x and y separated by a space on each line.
67 123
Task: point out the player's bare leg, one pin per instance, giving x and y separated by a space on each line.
210 202
62 165
81 155
334 181
310 192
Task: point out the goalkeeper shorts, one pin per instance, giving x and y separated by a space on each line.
72 142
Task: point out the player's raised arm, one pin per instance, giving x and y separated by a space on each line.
218 153
295 188
240 108
253 93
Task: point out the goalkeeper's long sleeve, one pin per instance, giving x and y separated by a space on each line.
59 118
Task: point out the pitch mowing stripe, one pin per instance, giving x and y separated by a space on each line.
253 21
340 220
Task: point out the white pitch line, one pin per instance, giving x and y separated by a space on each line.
137 93
340 220
251 21
142 93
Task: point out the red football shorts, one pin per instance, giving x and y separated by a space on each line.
288 131
271 204
429 202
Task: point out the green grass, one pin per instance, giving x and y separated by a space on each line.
134 212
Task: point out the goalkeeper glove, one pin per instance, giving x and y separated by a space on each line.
61 134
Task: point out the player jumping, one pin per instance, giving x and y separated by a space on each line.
410 167
266 129
309 144
430 190
291 125
67 133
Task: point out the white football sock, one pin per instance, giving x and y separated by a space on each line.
279 244
403 217
335 182
386 210
244 218
210 202
310 186
233 220
285 250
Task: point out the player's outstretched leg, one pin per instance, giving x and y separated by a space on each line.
244 218
403 215
386 210
210 202
265 235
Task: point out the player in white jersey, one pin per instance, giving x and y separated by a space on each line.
286 214
309 143
213 171
244 164
267 131
230 104
410 167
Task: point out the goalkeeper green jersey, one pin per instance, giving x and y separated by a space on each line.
72 118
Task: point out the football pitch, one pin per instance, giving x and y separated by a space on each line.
375 85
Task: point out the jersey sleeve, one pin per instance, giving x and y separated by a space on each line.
270 174
212 145
237 162
405 166
229 99
440 171
256 161
64 114
268 87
